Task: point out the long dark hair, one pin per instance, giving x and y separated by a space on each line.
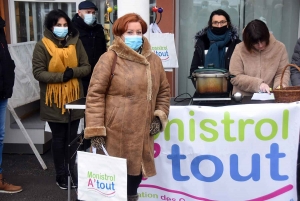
255 31
220 12
53 17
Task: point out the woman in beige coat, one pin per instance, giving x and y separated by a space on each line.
137 95
258 61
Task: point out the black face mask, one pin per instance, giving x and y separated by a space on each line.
219 30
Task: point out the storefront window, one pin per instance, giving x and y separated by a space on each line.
28 17
281 17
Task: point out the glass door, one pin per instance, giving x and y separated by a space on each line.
281 17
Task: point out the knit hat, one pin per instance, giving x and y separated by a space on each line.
87 5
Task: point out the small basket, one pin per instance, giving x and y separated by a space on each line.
287 94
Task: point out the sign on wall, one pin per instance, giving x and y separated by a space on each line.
236 153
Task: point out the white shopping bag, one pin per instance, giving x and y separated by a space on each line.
154 28
163 45
101 177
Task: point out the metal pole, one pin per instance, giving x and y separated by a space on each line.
69 133
24 131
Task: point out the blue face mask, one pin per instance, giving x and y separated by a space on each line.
89 19
133 41
60 32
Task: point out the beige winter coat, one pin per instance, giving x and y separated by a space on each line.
252 69
139 91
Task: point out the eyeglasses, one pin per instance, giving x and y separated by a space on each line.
216 23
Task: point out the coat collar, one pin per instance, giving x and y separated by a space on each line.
125 52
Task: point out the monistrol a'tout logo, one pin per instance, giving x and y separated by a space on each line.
162 52
102 183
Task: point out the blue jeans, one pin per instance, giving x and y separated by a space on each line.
3 104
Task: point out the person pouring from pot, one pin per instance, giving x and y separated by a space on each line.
258 61
218 35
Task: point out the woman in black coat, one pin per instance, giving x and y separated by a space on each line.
216 37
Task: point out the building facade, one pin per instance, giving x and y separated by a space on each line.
183 17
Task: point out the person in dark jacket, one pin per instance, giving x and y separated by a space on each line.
218 35
91 34
295 80
295 73
7 78
59 62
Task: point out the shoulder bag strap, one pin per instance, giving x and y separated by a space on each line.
112 72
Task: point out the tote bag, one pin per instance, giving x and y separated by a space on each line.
101 177
163 45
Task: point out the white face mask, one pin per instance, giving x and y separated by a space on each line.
89 19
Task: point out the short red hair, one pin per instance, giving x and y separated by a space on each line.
121 24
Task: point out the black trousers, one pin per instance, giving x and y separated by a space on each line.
60 145
133 183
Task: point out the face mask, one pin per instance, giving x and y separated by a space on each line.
60 32
134 42
89 19
219 30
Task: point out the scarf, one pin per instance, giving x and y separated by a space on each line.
61 93
216 51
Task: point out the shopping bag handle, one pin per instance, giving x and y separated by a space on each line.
104 150
94 150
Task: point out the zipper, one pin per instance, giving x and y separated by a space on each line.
260 64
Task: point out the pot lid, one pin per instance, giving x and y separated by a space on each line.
211 70
197 75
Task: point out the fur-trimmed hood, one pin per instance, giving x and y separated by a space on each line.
234 33
125 52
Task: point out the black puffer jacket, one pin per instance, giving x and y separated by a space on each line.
7 66
295 74
203 43
93 40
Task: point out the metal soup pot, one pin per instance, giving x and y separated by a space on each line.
211 80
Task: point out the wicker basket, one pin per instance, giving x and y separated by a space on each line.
287 94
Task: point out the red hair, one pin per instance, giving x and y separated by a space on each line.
121 24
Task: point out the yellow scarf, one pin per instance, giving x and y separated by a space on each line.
61 93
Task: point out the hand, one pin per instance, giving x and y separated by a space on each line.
264 88
155 126
68 74
97 142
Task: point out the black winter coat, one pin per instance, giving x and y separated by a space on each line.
295 74
93 40
203 43
7 66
